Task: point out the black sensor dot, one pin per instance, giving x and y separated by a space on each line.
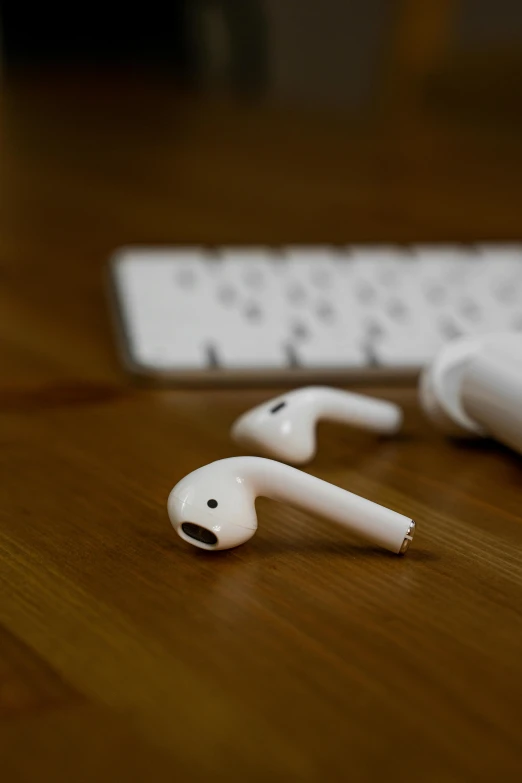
212 503
277 407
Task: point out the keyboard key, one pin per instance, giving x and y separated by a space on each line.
164 308
248 329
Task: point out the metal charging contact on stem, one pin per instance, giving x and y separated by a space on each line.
408 538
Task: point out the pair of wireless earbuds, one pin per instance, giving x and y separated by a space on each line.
472 388
214 507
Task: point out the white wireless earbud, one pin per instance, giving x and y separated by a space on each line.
214 507
284 428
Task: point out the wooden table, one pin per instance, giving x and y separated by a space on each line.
302 656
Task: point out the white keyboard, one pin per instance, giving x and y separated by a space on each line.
295 313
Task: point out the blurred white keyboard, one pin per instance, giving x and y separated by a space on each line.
259 314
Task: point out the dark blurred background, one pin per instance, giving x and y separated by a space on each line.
260 121
341 52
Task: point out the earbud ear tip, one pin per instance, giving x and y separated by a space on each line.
237 432
241 435
297 458
293 454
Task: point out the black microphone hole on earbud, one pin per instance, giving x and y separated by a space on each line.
199 533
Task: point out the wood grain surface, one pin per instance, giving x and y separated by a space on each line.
303 655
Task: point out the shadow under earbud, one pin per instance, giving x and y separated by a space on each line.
265 547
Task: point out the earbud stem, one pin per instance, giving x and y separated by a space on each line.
359 410
370 521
